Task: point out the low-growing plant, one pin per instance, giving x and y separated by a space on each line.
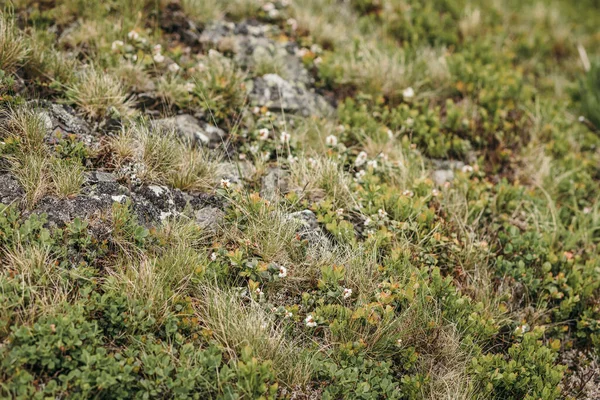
31 171
13 49
67 177
99 95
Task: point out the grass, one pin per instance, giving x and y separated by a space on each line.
13 51
67 177
98 94
361 274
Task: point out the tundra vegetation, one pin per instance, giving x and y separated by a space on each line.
300 199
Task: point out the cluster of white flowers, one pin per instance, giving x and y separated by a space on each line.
271 10
263 134
382 214
361 158
292 23
133 35
310 321
339 212
189 86
288 314
408 193
259 292
522 329
347 293
360 174
372 164
116 45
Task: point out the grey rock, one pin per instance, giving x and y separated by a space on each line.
10 189
308 220
442 176
236 172
100 176
447 164
250 46
277 94
189 128
210 218
274 183
62 211
63 119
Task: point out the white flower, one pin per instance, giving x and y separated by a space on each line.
288 314
117 44
157 49
587 210
213 53
361 158
273 13
372 164
174 67
315 48
340 128
263 134
581 118
159 58
255 110
408 93
133 35
367 221
331 140
242 156
399 342
292 159
408 193
435 192
390 134
282 271
318 60
360 174
263 325
225 183
266 155
382 214
313 163
347 293
467 169
284 137
292 23
213 256
189 86
339 212
310 321
522 329
302 52
254 149
410 122
259 292
268 7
